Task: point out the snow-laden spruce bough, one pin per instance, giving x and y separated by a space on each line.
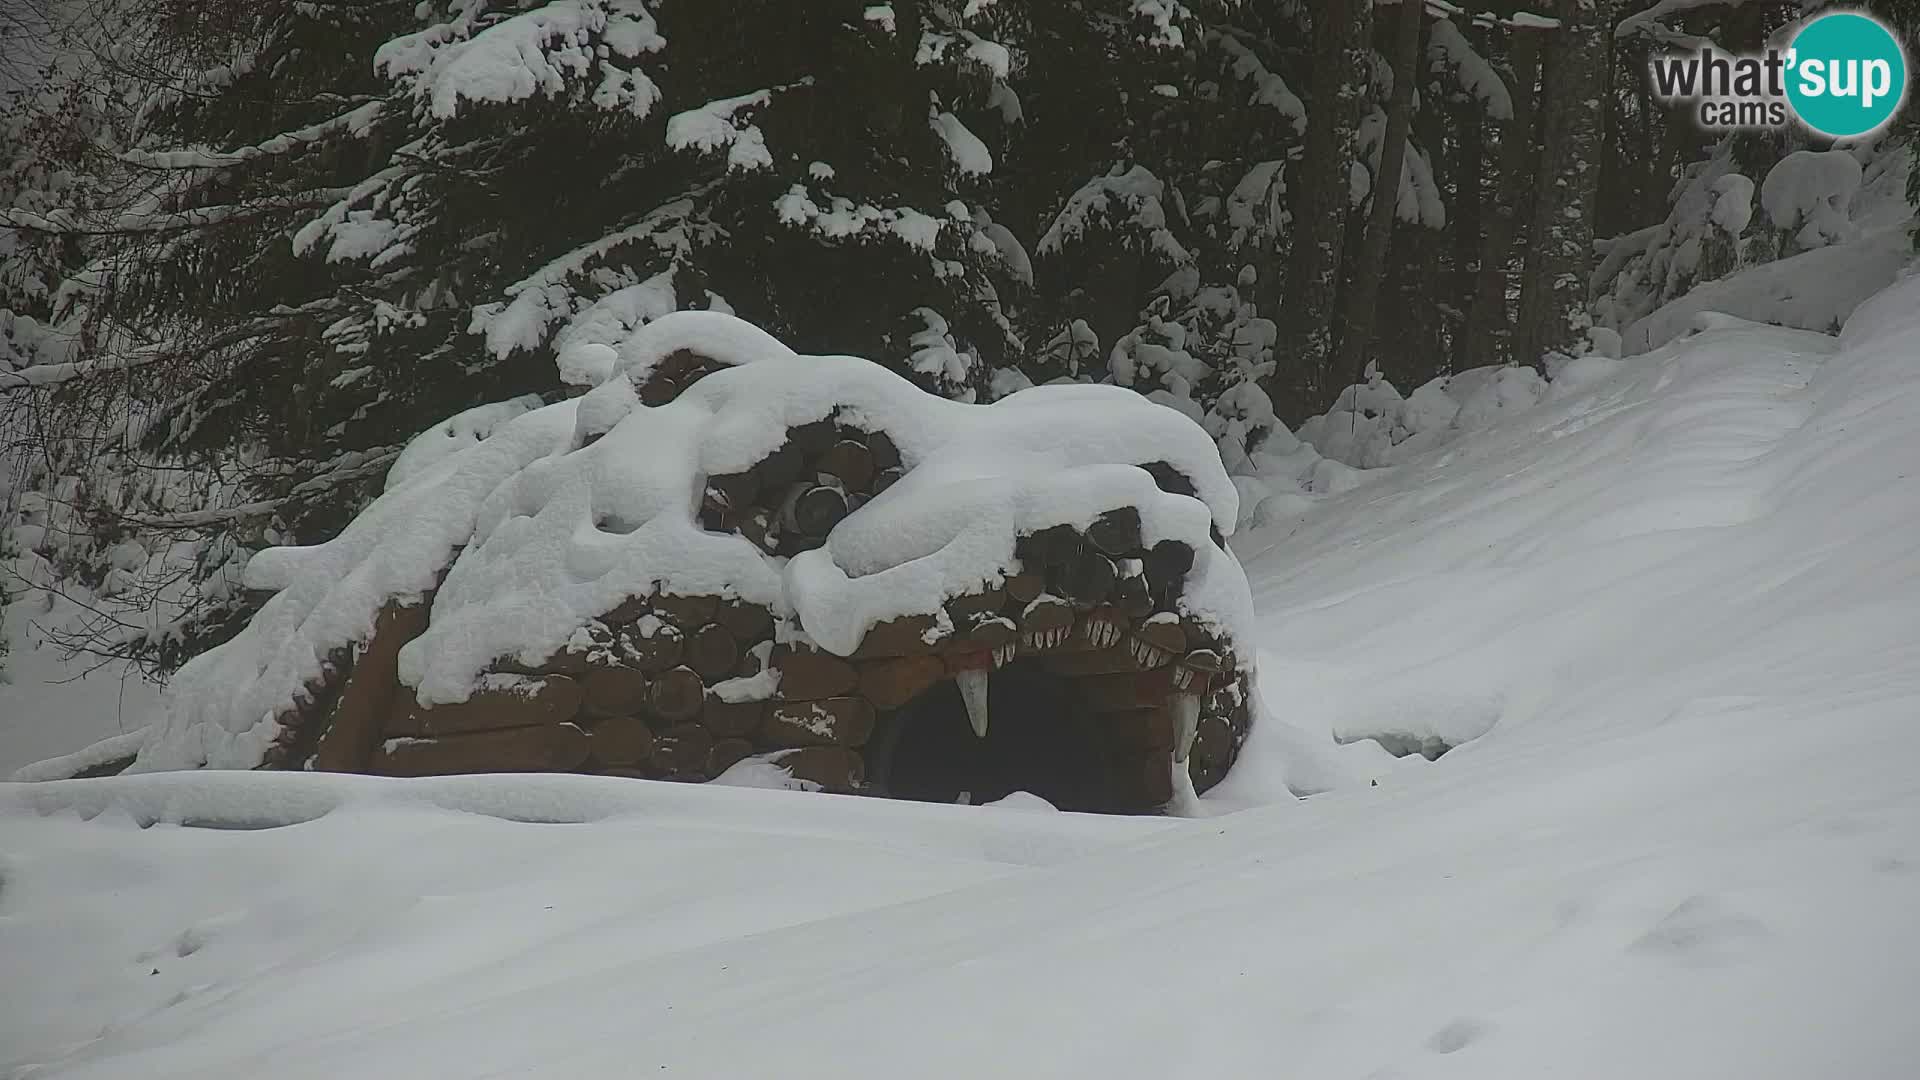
724 559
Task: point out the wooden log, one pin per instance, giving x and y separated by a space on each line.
613 691
1170 479
817 508
728 719
1204 660
716 514
591 646
657 391
886 478
840 721
686 612
881 448
651 645
894 682
682 750
676 694
1046 612
1213 742
512 701
1051 548
851 462
547 748
1103 627
360 713
1169 560
626 611
725 754
1116 532
1093 662
1090 579
621 740
985 633
1126 690
778 469
963 609
1025 587
1164 632
738 489
757 527
750 663
907 635
1110 693
815 437
1133 596
712 652
806 674
833 768
746 622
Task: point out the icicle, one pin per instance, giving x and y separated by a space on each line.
1003 655
1186 723
973 691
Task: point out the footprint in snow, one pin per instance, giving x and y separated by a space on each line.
1459 1034
1701 932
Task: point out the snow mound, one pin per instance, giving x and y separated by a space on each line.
524 524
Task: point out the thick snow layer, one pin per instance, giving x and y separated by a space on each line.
1124 200
1809 193
554 527
1842 224
1672 611
534 52
1448 48
969 154
1814 290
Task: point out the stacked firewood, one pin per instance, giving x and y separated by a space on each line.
683 687
791 499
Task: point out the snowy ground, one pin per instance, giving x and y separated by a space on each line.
1668 616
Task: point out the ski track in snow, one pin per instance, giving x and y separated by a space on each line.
1667 620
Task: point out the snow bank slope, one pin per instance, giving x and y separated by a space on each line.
1675 608
1731 523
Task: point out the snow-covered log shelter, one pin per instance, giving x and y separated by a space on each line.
724 559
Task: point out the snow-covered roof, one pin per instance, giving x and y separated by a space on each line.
542 518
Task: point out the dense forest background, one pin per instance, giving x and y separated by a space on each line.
249 248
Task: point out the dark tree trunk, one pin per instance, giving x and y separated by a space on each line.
1301 379
1487 318
1434 317
1553 295
1363 292
1467 222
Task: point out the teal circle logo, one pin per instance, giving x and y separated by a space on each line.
1846 75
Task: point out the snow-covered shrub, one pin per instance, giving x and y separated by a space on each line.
1808 194
1372 426
1702 238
